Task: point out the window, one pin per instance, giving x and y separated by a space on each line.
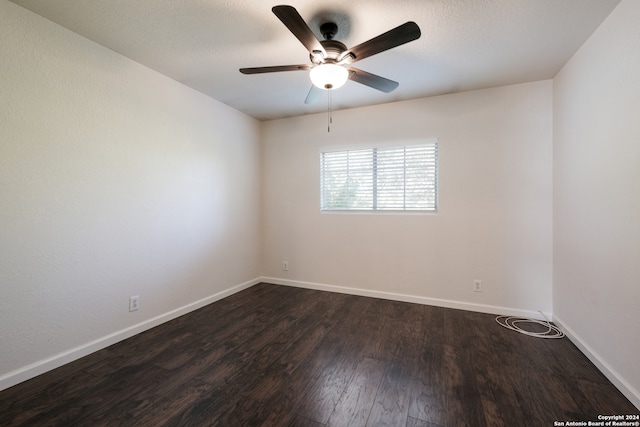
380 179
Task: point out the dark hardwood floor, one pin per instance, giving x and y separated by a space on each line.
279 356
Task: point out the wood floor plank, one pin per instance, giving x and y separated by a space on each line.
492 372
259 346
56 403
279 406
272 366
392 399
414 422
140 350
282 356
231 351
355 404
596 398
346 341
28 392
299 367
298 421
463 400
155 408
411 329
427 400
381 330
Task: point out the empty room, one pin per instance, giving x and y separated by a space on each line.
320 213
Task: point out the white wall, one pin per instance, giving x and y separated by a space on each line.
596 214
494 219
114 181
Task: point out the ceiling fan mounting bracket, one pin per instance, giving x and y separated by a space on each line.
328 30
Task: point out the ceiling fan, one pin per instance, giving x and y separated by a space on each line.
331 60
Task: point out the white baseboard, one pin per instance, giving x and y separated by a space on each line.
30 371
480 308
621 384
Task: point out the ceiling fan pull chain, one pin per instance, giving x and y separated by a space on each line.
329 108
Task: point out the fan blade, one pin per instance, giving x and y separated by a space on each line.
314 95
372 80
294 22
400 35
274 69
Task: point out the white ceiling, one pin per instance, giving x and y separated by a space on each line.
465 44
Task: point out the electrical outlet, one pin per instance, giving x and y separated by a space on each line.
134 303
477 285
285 265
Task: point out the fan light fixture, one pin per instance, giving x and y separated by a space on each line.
328 76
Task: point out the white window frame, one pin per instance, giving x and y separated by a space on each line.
373 208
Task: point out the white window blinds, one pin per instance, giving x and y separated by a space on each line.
380 179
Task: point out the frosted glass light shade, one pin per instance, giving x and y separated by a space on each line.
329 76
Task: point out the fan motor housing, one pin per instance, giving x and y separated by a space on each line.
333 48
